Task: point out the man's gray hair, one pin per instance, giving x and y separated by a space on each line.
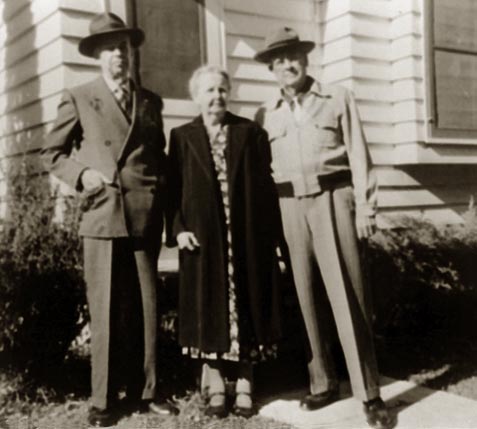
206 69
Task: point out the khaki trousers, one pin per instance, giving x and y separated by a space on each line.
320 230
120 276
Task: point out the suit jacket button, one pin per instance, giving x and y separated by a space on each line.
107 143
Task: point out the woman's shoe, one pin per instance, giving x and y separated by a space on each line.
242 410
101 418
215 407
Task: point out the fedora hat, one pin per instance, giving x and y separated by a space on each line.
282 39
106 24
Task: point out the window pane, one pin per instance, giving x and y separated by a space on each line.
454 24
456 90
172 49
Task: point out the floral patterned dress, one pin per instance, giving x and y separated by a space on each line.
237 351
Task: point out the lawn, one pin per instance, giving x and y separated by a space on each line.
438 361
61 400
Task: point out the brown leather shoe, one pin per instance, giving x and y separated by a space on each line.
377 414
316 401
101 418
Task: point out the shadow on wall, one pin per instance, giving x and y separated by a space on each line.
41 288
21 112
440 192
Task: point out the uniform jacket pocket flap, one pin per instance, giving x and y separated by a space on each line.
327 123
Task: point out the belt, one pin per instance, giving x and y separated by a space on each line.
326 182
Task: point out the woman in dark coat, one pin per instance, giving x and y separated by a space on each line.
225 221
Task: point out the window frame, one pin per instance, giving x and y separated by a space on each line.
131 18
433 130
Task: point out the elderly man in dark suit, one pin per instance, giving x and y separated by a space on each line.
108 144
327 191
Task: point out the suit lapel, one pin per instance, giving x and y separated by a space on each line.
111 106
137 106
106 106
198 141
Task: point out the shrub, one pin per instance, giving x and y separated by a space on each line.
42 302
424 278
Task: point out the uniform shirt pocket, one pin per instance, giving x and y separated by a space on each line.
327 132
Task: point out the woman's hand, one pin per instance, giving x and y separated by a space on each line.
92 180
187 240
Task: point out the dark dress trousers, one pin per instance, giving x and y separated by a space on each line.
197 207
121 226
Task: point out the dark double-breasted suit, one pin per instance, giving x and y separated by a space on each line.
121 226
197 207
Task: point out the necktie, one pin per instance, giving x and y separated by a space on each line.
122 95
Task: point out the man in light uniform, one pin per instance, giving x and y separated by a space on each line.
327 189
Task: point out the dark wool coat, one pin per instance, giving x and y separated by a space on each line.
91 131
197 207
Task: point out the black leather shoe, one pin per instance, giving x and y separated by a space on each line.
245 412
315 402
98 418
163 408
130 406
377 415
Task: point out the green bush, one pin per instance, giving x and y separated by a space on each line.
424 277
42 302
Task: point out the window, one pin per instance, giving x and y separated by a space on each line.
174 45
452 67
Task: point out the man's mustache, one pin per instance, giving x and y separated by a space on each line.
291 70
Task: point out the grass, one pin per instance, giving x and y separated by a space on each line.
61 402
444 359
72 413
439 361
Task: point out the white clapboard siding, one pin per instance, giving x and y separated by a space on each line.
21 141
441 215
37 40
86 7
247 22
39 112
337 28
40 86
374 47
30 41
177 112
38 63
22 16
294 10
422 197
407 72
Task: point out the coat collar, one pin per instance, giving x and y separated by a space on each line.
312 86
199 142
